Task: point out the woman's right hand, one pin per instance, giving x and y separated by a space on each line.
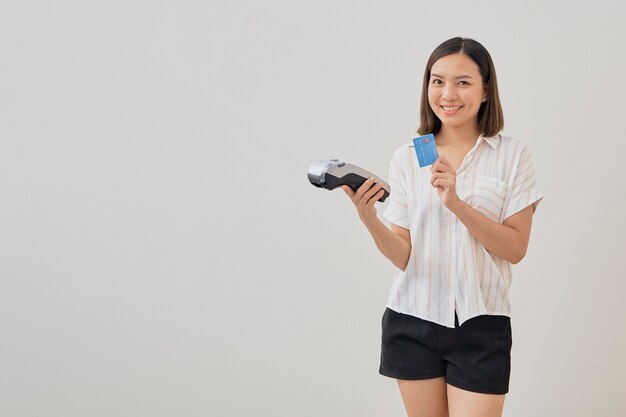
365 197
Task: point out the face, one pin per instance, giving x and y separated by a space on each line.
455 90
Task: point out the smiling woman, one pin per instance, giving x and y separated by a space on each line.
455 231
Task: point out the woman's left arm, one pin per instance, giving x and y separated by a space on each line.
508 240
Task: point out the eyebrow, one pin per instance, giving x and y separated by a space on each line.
460 76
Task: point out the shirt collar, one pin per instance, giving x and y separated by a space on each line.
493 141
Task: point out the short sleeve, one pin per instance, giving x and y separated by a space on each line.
397 210
522 192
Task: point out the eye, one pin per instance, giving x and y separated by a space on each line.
466 83
435 80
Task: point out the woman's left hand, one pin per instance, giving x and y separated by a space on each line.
443 178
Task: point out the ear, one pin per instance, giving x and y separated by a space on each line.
485 94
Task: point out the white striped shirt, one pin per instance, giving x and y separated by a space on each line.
449 269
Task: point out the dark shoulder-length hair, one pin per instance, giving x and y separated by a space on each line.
490 117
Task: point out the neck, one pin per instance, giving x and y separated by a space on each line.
457 136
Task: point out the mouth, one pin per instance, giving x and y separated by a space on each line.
451 109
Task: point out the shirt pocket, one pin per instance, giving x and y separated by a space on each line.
489 195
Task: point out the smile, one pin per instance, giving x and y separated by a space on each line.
451 108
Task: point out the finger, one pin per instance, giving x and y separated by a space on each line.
374 190
375 198
440 166
436 175
446 163
364 187
443 183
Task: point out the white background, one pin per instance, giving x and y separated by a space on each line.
163 253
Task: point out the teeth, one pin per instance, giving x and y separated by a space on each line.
451 108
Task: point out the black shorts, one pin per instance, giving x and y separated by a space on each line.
474 357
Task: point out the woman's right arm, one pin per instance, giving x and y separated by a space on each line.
395 244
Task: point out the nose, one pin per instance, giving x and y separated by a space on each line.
449 93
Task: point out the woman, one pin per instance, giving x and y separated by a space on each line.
456 228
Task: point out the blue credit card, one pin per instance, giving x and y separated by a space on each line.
426 150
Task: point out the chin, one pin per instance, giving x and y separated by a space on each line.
451 121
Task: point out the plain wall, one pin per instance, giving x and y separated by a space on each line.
163 253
